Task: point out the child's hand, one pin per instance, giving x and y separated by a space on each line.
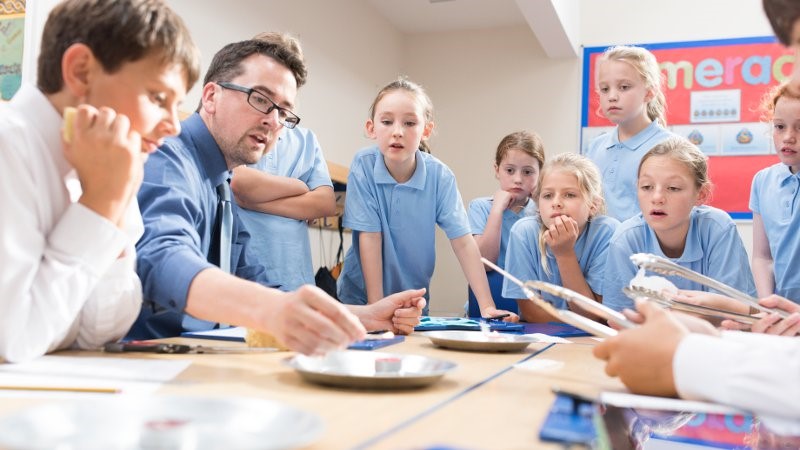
502 200
494 312
642 357
561 235
107 156
772 323
711 300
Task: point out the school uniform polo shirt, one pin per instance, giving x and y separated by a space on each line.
282 244
405 214
774 196
479 213
619 166
713 248
523 257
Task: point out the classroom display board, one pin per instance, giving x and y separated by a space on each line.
12 22
714 90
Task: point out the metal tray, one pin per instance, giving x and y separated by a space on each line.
371 370
480 342
124 422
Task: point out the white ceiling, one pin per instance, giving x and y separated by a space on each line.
425 16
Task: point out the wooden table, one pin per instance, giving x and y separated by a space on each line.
484 403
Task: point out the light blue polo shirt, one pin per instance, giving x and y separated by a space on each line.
479 213
523 256
713 248
406 214
619 166
280 243
775 197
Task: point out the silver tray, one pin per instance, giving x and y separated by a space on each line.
371 370
478 341
160 422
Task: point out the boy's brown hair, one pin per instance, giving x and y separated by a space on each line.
782 15
117 31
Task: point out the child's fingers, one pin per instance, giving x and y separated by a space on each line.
765 324
733 325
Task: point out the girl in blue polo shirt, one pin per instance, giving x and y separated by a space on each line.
396 195
628 83
774 202
673 184
566 243
517 162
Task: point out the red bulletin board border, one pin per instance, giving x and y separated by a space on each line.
750 65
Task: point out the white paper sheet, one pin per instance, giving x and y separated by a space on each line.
540 365
548 339
128 375
626 400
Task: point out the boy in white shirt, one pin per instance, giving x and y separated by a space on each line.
70 218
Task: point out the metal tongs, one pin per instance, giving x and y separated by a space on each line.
666 267
565 315
634 292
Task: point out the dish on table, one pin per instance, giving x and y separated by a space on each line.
372 370
123 422
479 341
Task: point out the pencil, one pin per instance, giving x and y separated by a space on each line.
94 390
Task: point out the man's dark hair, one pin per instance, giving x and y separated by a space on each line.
227 63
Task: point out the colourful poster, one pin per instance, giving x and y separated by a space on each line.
12 23
714 90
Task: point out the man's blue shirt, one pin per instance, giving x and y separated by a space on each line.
178 200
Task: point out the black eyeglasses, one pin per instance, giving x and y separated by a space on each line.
264 104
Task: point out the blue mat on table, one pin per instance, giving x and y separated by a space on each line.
428 323
559 329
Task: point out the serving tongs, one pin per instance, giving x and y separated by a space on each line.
565 315
634 292
666 267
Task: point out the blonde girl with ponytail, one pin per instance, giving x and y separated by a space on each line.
567 242
628 83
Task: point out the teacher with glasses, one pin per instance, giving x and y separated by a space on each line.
192 262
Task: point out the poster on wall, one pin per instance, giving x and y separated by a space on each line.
714 90
12 23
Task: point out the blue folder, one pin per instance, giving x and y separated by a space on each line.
569 421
